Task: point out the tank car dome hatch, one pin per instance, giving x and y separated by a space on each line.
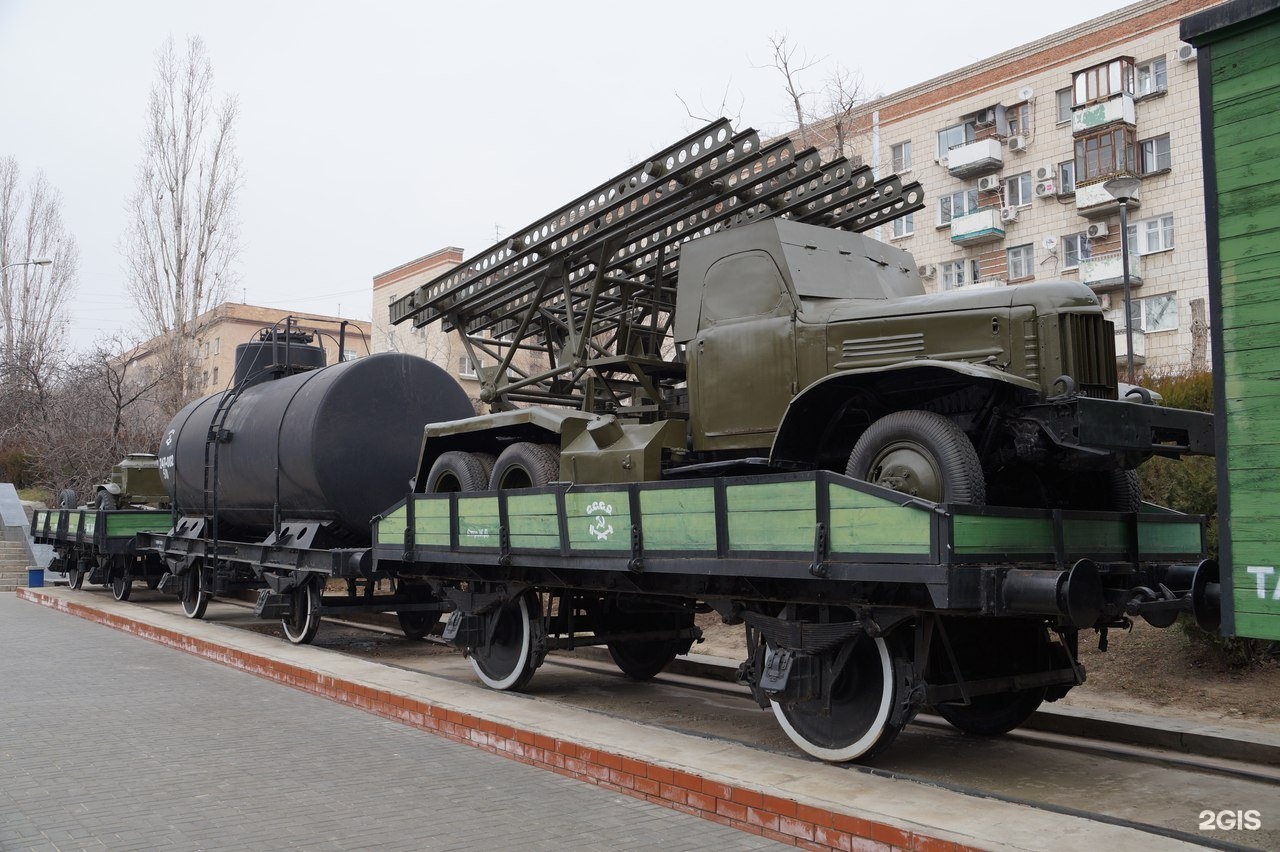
275 354
338 444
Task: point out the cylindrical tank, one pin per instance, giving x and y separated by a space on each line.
342 443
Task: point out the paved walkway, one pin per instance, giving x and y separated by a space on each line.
108 741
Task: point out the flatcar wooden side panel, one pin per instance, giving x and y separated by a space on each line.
1239 57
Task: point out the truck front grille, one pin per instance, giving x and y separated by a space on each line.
1089 354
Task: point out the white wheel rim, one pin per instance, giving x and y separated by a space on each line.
297 638
191 605
867 740
519 669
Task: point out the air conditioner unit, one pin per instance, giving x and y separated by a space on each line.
1186 53
928 270
1017 143
1026 93
989 183
1046 173
1098 229
985 117
1008 214
1046 189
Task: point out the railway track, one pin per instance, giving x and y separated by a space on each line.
1161 792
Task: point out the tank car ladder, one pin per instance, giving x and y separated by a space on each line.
217 435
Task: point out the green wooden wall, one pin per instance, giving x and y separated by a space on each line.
1243 100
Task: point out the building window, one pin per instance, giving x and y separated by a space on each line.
349 355
204 379
1153 77
217 345
1154 313
901 156
1148 236
1156 156
957 204
956 135
1103 81
467 368
1067 178
1105 154
1017 190
1064 105
1075 248
958 273
1020 261
904 226
215 377
1018 118
1157 313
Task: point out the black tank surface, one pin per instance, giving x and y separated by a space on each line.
342 443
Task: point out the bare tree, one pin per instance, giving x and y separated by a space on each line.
182 236
843 94
789 61
33 299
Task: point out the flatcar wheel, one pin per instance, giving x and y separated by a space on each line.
641 659
509 660
195 600
862 698
416 625
301 624
992 649
122 583
75 578
993 715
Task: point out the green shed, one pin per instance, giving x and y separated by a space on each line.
1238 45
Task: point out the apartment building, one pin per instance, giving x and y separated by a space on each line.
222 328
1015 153
431 342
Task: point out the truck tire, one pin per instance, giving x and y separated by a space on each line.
1115 491
922 454
456 471
526 465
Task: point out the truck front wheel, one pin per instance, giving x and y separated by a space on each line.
922 454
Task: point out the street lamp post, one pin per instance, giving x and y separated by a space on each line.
35 261
1124 189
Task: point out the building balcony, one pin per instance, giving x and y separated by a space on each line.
1105 272
1088 118
1139 347
980 226
975 159
1094 202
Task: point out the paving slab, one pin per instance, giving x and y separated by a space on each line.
787 798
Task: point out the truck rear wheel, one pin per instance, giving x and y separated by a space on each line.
922 454
526 465
457 471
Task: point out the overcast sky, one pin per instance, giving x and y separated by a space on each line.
373 133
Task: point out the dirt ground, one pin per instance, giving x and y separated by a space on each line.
1162 672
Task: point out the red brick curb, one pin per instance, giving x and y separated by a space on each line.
778 818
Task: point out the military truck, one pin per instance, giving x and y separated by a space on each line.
134 482
715 311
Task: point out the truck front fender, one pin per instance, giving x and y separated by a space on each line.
823 421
